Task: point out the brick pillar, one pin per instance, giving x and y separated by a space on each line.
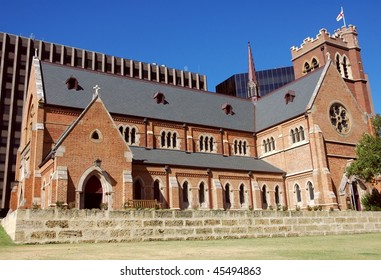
218 201
257 195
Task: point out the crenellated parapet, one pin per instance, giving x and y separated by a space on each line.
345 37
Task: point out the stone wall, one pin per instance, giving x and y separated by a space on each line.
72 226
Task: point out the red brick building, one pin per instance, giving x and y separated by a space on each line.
91 139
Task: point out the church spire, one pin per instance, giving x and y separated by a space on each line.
252 83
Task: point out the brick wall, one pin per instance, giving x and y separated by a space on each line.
72 226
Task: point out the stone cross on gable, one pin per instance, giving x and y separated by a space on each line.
96 92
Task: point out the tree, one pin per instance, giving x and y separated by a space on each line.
368 151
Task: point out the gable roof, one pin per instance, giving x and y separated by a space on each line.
129 96
200 160
272 109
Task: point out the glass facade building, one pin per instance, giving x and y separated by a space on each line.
268 80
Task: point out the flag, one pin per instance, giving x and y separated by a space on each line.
341 15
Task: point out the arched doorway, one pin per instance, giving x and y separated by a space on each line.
93 193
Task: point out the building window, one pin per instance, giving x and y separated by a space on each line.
96 136
298 194
185 195
297 134
277 195
338 66
240 147
242 195
129 134
156 191
340 118
264 197
315 63
201 195
307 67
311 192
206 143
169 140
227 197
269 144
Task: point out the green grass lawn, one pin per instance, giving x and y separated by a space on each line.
333 247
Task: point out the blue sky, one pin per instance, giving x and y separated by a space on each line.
208 37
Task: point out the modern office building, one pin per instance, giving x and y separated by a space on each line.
269 80
16 55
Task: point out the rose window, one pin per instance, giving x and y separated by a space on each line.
339 118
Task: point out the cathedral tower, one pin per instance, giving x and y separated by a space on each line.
343 49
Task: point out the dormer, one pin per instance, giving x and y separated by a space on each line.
227 108
289 96
160 98
72 83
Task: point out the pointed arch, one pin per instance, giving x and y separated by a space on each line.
264 197
95 173
338 63
314 63
298 193
227 196
202 195
186 201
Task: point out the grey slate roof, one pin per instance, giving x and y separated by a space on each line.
134 97
272 108
201 160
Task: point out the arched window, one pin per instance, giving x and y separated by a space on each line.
298 193
168 139
201 194
293 136
133 135
338 66
95 135
297 136
201 142
206 143
174 140
265 145
211 144
227 196
345 67
301 133
277 195
242 194
307 67
315 63
272 143
264 197
129 134
311 190
244 147
162 142
156 191
185 195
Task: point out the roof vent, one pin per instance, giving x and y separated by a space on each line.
289 96
227 108
72 83
160 98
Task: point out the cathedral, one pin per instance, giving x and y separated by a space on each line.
96 140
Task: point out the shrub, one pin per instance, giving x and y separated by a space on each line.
371 201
